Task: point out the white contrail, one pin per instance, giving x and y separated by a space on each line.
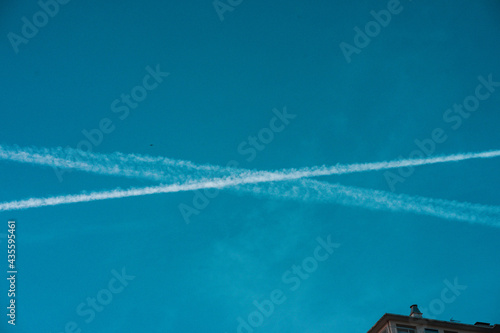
144 166
257 177
309 190
118 193
303 190
316 191
115 164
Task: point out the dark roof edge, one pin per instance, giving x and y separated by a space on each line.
425 321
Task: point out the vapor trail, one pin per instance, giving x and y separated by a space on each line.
249 181
308 190
303 190
148 167
118 193
116 164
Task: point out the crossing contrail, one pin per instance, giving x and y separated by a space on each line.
249 181
303 190
148 167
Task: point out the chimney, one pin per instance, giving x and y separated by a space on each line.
415 312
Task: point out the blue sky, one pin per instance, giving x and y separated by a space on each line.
225 78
